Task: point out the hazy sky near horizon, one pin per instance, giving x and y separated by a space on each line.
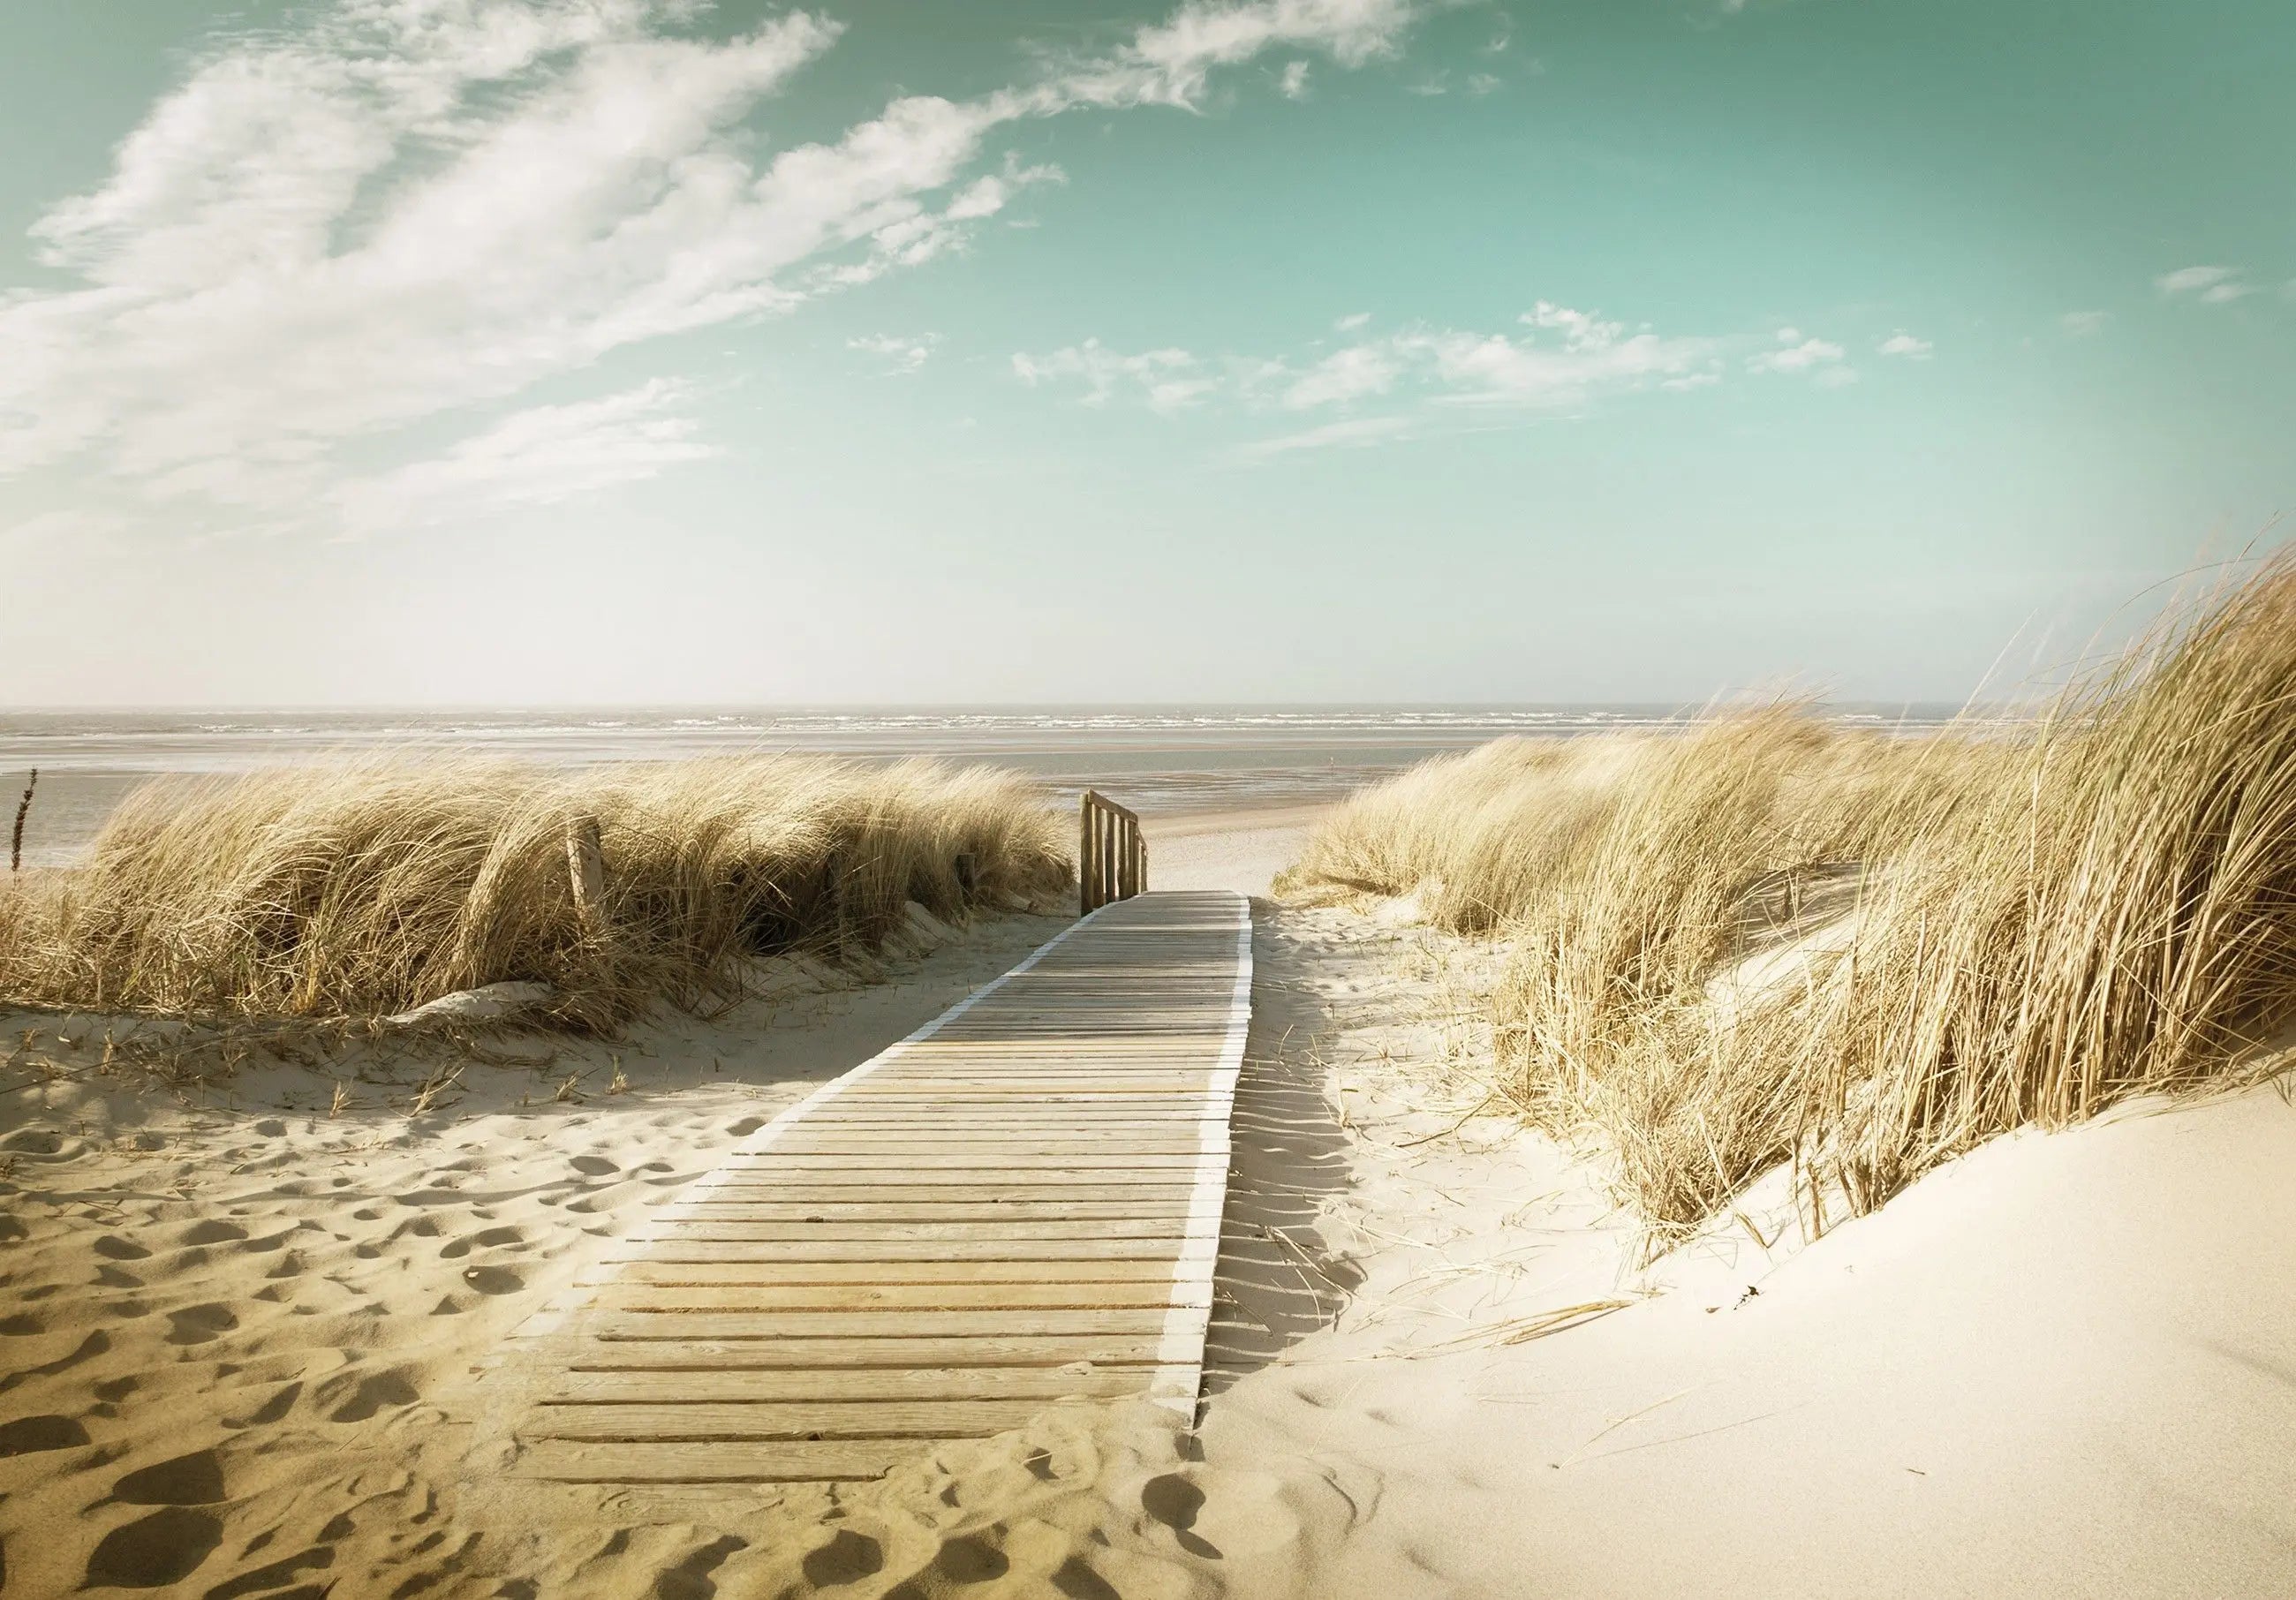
490 351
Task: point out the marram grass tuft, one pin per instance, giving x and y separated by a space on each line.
1966 932
363 889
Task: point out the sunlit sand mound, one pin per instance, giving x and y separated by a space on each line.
369 889
2046 920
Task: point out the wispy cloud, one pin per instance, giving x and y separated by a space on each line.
1343 376
1293 84
1352 432
1560 359
2210 285
899 352
538 457
2081 325
1795 353
1906 345
400 210
1168 380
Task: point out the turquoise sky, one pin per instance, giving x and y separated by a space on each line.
474 351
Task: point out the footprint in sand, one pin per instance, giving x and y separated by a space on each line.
111 1247
214 1231
29 1435
162 1549
1175 1501
493 1280
593 1166
847 1558
746 1127
690 1578
196 1325
271 1411
374 1391
23 1325
491 1237
1077 1581
193 1480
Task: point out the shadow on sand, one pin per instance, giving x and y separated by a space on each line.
1278 1280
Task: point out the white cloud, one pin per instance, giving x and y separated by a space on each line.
1352 321
1482 83
538 457
1566 358
901 353
1167 380
2081 325
1344 375
1293 83
397 210
1796 354
2212 285
1902 343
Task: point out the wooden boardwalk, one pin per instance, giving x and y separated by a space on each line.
1018 1203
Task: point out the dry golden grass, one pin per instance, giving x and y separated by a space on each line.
367 888
2040 921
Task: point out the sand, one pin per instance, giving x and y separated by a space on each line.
1238 849
253 1344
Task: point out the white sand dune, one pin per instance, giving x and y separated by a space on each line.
256 1346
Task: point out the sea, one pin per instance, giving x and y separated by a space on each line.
1160 760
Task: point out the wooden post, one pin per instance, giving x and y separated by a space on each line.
1111 855
1107 857
1087 834
586 871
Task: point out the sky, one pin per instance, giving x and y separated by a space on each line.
549 352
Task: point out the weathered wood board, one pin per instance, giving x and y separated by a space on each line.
1018 1203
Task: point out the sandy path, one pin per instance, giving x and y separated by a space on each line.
241 1336
1243 850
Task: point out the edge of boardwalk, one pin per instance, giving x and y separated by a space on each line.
1180 1356
1178 1377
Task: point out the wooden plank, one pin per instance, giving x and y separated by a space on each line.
1038 1349
760 1421
898 1251
1156 1269
938 1326
1020 1202
1167 1231
994 1184
941 1155
1036 1385
1172 1204
756 1295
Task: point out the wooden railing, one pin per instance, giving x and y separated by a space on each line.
1111 858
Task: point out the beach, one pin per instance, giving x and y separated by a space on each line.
259 1334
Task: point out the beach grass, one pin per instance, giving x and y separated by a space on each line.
1766 938
367 888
